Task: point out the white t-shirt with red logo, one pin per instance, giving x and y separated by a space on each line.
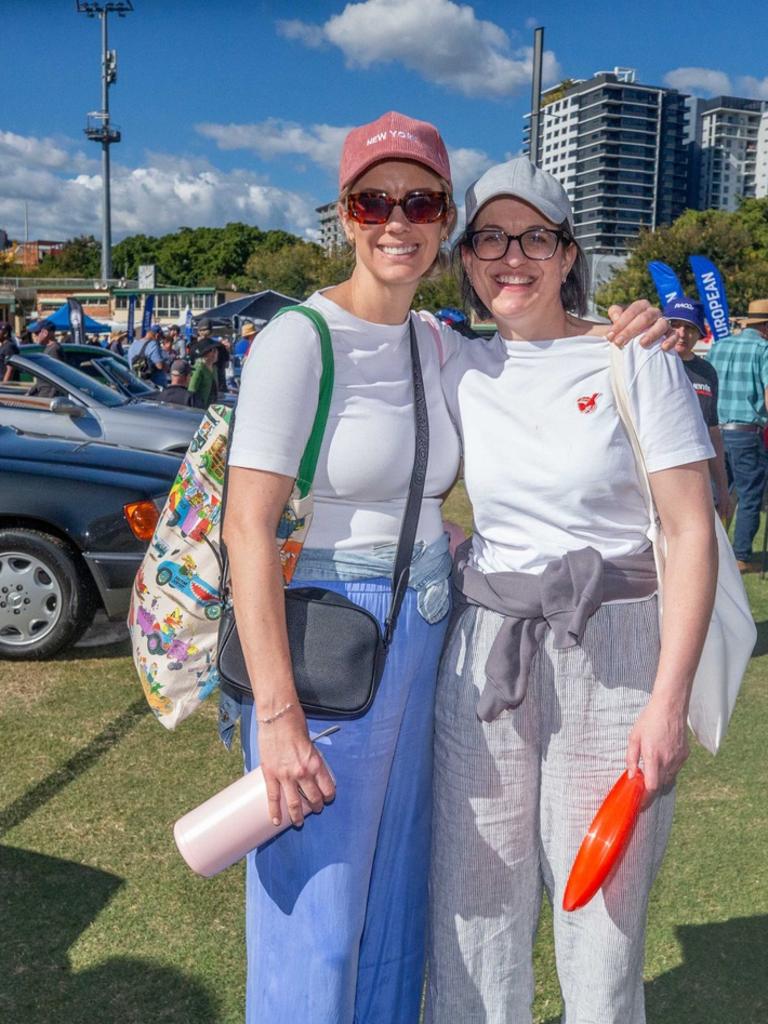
547 463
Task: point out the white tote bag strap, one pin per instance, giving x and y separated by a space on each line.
621 398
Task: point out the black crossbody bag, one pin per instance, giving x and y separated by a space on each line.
338 649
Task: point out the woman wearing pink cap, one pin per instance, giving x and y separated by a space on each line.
343 900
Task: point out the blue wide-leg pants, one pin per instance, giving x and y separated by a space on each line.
336 910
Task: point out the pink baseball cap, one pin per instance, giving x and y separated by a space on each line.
393 136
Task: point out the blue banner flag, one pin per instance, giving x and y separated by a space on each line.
712 294
146 320
76 321
131 332
188 330
665 280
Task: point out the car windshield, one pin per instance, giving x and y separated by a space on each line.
76 379
130 383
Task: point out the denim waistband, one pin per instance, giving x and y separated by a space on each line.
430 578
430 571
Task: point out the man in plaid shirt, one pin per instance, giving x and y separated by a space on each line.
741 362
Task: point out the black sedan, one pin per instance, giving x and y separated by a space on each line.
75 519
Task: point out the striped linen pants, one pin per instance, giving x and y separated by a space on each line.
513 799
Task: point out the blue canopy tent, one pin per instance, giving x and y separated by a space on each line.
60 320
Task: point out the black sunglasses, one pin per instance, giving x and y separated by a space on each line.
419 206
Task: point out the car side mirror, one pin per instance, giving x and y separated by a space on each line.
66 407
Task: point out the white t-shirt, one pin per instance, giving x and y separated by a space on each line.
547 463
366 458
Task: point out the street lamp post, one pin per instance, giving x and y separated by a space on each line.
98 127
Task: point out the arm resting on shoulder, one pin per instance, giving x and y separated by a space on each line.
684 501
255 501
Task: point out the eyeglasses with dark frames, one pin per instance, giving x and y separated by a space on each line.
419 206
535 243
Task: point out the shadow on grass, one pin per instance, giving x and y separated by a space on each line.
80 762
761 647
46 904
722 979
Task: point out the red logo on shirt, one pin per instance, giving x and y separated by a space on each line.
588 403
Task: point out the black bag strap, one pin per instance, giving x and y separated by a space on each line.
402 570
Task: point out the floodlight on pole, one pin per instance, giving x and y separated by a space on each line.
98 127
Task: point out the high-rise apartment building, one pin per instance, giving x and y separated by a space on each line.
726 139
332 236
761 163
619 149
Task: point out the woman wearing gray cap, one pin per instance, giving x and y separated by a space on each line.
555 675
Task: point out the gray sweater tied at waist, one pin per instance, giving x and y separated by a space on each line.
561 598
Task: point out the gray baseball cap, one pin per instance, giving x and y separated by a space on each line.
521 179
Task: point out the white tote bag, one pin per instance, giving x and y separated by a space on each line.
732 633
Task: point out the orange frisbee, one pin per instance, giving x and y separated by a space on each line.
605 840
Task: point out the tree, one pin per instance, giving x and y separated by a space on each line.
438 292
79 257
296 268
737 243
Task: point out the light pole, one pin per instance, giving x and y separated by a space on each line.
98 128
538 49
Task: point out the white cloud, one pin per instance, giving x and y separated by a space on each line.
466 166
64 200
699 80
310 35
39 152
754 88
441 40
321 143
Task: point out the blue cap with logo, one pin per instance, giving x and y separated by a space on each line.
689 310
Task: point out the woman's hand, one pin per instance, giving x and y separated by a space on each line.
659 739
293 767
639 318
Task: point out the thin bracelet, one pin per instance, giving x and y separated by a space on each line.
278 714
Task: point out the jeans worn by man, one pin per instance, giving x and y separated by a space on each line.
741 362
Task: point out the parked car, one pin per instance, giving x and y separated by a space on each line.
113 370
75 520
60 401
104 366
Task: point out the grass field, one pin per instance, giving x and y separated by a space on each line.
102 923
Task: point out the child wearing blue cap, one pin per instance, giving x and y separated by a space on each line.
686 318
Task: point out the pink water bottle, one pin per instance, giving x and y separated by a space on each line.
235 821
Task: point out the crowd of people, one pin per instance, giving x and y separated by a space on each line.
191 372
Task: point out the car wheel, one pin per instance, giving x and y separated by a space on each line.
46 599
163 575
213 611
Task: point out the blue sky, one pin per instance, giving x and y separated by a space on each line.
236 111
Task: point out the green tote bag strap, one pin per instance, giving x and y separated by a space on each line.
308 463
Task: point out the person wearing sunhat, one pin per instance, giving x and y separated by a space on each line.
243 344
741 362
686 319
203 383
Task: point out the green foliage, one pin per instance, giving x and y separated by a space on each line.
194 256
80 257
438 292
736 242
295 268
